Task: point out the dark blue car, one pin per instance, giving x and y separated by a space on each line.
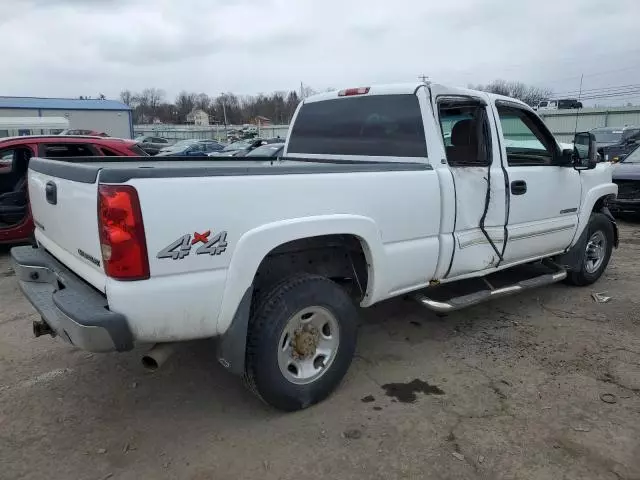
191 148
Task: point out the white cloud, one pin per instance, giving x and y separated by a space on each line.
80 47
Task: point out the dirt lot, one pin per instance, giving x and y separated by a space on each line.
545 385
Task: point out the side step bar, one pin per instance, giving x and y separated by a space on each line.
457 303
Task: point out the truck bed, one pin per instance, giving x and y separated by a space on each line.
117 170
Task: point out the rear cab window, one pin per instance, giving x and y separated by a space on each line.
375 125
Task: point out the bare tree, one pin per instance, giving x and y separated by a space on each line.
202 101
529 94
154 96
185 103
148 105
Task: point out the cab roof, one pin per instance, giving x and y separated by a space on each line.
411 88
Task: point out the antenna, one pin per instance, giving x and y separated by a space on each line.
423 78
575 130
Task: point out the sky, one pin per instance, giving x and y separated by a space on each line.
68 48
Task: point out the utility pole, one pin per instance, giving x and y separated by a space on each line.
301 91
224 112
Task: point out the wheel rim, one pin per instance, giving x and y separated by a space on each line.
308 345
595 252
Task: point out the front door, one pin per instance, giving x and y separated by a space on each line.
473 156
544 198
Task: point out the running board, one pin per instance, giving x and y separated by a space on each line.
457 303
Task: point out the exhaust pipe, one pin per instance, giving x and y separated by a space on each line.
40 327
159 353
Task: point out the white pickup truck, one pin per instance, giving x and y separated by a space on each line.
448 196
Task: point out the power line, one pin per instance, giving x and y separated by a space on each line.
613 88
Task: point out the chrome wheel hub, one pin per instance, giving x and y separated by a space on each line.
308 345
595 252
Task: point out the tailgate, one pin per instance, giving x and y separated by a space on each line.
64 205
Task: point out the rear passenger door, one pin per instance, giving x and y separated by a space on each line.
472 153
544 197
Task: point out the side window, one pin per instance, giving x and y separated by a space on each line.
465 133
107 152
526 139
60 150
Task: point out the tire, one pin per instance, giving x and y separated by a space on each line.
302 298
599 227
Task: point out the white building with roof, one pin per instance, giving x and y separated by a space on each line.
109 116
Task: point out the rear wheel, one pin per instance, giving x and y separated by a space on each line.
301 341
597 251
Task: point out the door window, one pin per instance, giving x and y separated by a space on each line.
14 163
53 150
526 139
107 152
465 132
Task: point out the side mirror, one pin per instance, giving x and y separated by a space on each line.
584 151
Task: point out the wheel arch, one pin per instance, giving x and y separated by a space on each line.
257 244
595 200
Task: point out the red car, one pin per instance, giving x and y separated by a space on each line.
16 224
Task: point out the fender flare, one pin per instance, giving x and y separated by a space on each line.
591 198
254 245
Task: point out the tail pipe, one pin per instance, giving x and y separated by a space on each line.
159 353
40 327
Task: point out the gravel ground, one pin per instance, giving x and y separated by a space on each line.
544 385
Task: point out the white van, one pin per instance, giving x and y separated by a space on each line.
19 126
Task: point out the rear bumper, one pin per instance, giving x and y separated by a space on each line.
71 307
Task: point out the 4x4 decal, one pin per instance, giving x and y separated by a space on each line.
182 247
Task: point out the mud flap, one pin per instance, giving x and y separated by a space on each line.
232 344
607 213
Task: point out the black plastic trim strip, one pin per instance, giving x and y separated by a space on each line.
507 190
78 172
86 173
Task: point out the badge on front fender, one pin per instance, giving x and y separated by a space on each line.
181 248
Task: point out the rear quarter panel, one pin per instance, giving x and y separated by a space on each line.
396 214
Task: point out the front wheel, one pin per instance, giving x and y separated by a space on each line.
301 340
597 251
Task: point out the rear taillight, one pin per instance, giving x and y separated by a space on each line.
353 91
122 240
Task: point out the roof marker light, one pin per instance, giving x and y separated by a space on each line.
353 91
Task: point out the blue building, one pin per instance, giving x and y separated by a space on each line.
109 116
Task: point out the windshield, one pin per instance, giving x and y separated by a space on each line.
608 136
237 146
631 133
633 157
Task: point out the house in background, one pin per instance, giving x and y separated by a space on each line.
261 121
198 117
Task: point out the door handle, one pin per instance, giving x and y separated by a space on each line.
51 193
518 187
